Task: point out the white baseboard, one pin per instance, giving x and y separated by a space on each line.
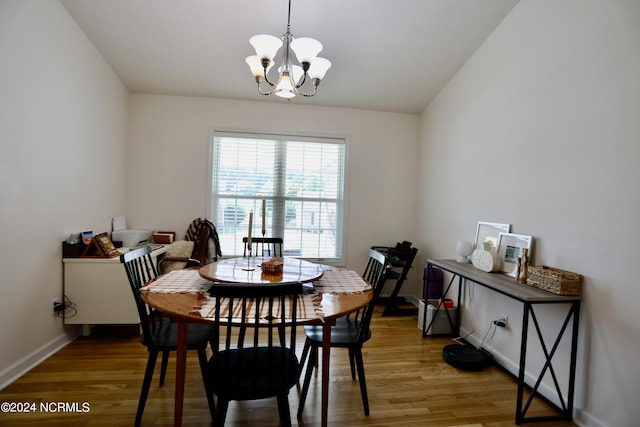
412 299
580 417
28 362
408 298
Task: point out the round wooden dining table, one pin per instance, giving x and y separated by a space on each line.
180 306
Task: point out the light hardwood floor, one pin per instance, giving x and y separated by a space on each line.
408 382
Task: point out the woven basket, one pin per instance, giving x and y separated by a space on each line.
554 280
273 266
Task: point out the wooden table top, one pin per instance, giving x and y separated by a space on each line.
247 269
183 305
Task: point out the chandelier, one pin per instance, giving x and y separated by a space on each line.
291 77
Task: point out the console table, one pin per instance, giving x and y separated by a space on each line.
100 290
529 297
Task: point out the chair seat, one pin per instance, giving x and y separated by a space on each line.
165 337
343 334
253 373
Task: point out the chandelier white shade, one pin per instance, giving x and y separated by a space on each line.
291 77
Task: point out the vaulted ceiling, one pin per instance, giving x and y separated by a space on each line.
387 55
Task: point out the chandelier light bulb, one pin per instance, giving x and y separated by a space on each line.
306 49
266 46
295 71
319 68
255 65
284 88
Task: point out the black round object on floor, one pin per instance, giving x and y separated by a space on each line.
465 357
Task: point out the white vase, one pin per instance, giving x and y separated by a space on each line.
486 259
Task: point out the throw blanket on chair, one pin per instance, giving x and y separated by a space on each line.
193 233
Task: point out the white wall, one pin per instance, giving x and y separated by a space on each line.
540 129
169 148
63 115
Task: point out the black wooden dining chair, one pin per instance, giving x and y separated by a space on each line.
263 246
264 363
159 333
349 332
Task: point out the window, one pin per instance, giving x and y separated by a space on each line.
300 180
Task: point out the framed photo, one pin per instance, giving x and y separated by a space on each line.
510 248
106 245
490 232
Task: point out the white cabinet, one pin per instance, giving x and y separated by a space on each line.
100 291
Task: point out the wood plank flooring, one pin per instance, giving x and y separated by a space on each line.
408 382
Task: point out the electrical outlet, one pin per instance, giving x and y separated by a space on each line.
55 303
502 321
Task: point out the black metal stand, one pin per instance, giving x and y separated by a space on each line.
529 297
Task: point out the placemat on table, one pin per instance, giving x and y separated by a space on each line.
308 308
341 282
186 281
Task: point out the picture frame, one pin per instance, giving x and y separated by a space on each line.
106 245
510 248
489 232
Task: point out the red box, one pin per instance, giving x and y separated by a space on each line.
164 237
447 303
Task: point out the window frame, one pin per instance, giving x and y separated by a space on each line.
279 135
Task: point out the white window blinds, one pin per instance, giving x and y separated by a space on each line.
300 179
